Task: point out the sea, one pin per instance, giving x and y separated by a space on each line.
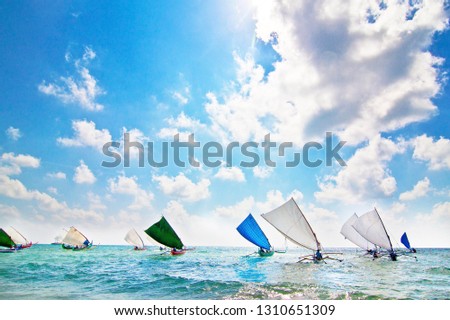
118 272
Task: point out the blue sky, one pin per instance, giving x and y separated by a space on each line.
77 75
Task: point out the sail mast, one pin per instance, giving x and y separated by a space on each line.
384 228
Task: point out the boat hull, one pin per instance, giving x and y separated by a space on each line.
75 248
8 250
177 252
265 253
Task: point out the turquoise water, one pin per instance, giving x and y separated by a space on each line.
117 272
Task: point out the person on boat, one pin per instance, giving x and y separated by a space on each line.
413 250
136 248
317 256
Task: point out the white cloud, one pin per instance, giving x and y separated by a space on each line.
366 175
57 175
352 76
183 125
8 213
182 97
262 172
129 186
273 199
13 133
183 188
52 190
420 189
83 174
95 202
86 135
231 174
81 88
437 154
11 164
14 188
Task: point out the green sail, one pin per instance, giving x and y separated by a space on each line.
163 233
5 240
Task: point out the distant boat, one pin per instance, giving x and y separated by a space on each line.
251 231
349 233
371 227
291 222
163 233
8 243
75 240
405 241
133 238
18 238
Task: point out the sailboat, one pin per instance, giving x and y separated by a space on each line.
163 233
8 243
349 233
371 227
133 238
18 238
251 231
75 240
405 241
290 221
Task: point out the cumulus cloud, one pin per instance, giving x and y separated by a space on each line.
11 164
353 68
80 88
130 186
13 133
366 175
86 135
182 125
262 172
15 189
183 188
436 154
231 174
7 213
83 175
57 175
420 190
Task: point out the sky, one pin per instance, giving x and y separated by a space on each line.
76 75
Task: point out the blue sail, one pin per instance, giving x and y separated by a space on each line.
251 231
405 241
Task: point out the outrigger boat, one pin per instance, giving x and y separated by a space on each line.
290 221
18 238
8 243
405 241
251 231
133 238
75 240
163 233
371 227
349 233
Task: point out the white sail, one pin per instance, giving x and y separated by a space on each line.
134 239
290 221
349 232
75 237
371 227
16 236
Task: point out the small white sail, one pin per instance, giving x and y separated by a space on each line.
349 232
133 238
16 236
290 221
74 237
371 227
